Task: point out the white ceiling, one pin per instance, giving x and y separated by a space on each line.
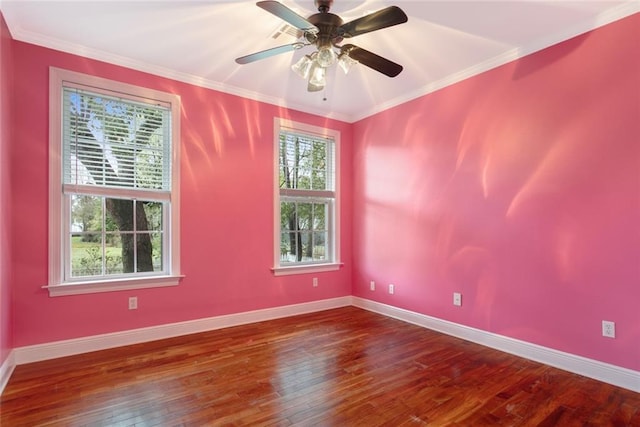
197 42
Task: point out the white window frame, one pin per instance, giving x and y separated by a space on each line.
59 213
334 217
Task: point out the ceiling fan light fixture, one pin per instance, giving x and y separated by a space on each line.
318 77
303 66
346 62
326 57
314 88
326 31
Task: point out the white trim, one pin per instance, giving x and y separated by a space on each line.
304 269
615 375
18 33
277 124
600 371
138 194
6 369
46 351
55 255
174 210
78 288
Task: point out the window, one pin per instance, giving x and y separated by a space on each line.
306 182
114 201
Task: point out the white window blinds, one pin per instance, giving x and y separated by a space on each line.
115 142
306 162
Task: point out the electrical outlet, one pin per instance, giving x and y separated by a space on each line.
372 285
133 303
391 289
315 282
608 329
457 299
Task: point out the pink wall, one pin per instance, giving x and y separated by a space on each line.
5 188
519 188
226 211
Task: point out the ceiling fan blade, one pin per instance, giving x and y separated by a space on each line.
372 60
288 15
268 53
383 18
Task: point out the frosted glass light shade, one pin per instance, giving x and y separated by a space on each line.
303 66
326 57
346 62
318 77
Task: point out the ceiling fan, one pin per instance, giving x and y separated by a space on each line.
326 31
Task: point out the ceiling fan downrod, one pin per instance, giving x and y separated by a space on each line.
323 5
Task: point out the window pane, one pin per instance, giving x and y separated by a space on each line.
307 246
303 162
287 216
291 244
114 142
304 234
305 216
114 260
86 254
319 166
119 215
150 164
86 213
303 165
144 251
319 246
156 242
149 216
285 246
304 179
319 216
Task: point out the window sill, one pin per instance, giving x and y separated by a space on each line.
77 288
304 269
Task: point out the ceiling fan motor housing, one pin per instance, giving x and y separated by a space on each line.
327 24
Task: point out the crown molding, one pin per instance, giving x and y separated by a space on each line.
611 15
621 11
41 40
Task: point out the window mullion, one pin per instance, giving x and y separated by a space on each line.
165 231
66 232
135 236
103 234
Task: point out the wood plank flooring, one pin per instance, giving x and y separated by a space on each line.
342 367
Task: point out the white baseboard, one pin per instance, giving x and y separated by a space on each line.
600 371
621 377
6 369
52 350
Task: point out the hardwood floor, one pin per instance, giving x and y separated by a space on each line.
342 367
